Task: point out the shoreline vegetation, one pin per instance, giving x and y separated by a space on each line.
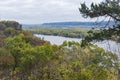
72 32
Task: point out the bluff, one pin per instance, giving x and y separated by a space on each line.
12 24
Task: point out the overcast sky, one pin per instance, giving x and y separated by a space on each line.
40 11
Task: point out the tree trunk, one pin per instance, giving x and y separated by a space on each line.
118 74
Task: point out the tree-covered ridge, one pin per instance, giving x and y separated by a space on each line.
13 24
25 57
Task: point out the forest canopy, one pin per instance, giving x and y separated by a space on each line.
26 57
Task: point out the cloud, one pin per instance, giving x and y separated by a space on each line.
39 11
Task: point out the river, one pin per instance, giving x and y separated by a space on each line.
58 40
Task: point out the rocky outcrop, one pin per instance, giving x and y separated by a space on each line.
12 24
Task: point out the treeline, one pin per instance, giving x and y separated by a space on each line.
25 57
73 32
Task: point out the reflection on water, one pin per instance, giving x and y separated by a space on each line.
106 44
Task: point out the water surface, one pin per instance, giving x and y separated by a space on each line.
58 40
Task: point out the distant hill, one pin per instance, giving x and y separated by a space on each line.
81 24
31 25
70 24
